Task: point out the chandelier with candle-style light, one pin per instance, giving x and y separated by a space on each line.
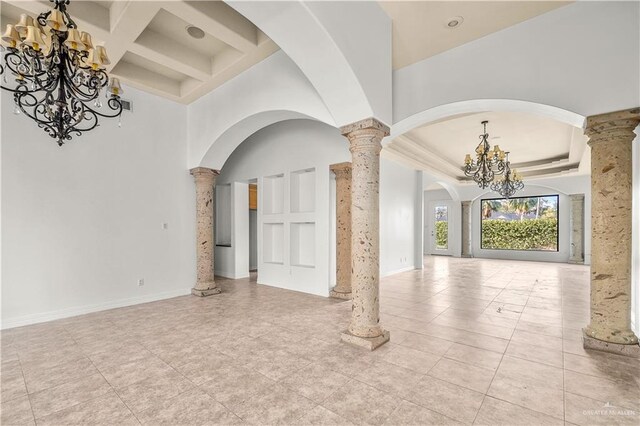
508 184
57 75
488 162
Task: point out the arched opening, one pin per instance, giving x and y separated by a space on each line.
230 140
289 228
548 148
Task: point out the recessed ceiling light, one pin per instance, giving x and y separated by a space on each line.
195 32
454 22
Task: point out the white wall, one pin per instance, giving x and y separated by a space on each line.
397 218
563 58
82 223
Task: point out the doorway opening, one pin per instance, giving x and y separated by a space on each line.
440 224
439 232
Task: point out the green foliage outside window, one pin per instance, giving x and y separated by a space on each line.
442 230
525 223
533 234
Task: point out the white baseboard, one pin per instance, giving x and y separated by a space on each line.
397 271
231 275
87 309
284 287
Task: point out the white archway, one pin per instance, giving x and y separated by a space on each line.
271 91
232 137
481 105
344 52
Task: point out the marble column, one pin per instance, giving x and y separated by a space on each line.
342 290
610 139
364 138
466 229
205 180
576 226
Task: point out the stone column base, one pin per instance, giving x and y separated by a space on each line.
466 256
576 262
589 342
370 343
339 295
206 292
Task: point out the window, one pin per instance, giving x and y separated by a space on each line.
442 227
526 223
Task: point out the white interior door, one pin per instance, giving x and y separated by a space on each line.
440 229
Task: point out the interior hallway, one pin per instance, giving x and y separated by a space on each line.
472 341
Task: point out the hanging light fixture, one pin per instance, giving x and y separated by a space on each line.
488 163
57 74
508 184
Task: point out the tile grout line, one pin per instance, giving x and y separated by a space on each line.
505 349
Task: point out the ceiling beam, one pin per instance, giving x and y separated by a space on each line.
134 18
168 52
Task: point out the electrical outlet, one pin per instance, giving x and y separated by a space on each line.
140 282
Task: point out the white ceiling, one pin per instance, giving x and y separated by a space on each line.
150 49
538 146
420 30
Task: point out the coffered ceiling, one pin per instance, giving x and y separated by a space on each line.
149 46
538 146
420 28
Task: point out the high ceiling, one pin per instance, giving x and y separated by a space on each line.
538 146
420 27
150 49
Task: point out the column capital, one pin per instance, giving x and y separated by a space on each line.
467 203
366 126
576 197
204 173
341 169
612 125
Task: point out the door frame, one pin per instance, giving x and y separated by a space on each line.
431 229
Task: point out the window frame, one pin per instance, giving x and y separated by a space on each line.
557 250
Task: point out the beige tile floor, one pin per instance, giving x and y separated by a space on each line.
472 341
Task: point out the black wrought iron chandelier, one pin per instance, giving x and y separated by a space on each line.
488 163
57 75
508 184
